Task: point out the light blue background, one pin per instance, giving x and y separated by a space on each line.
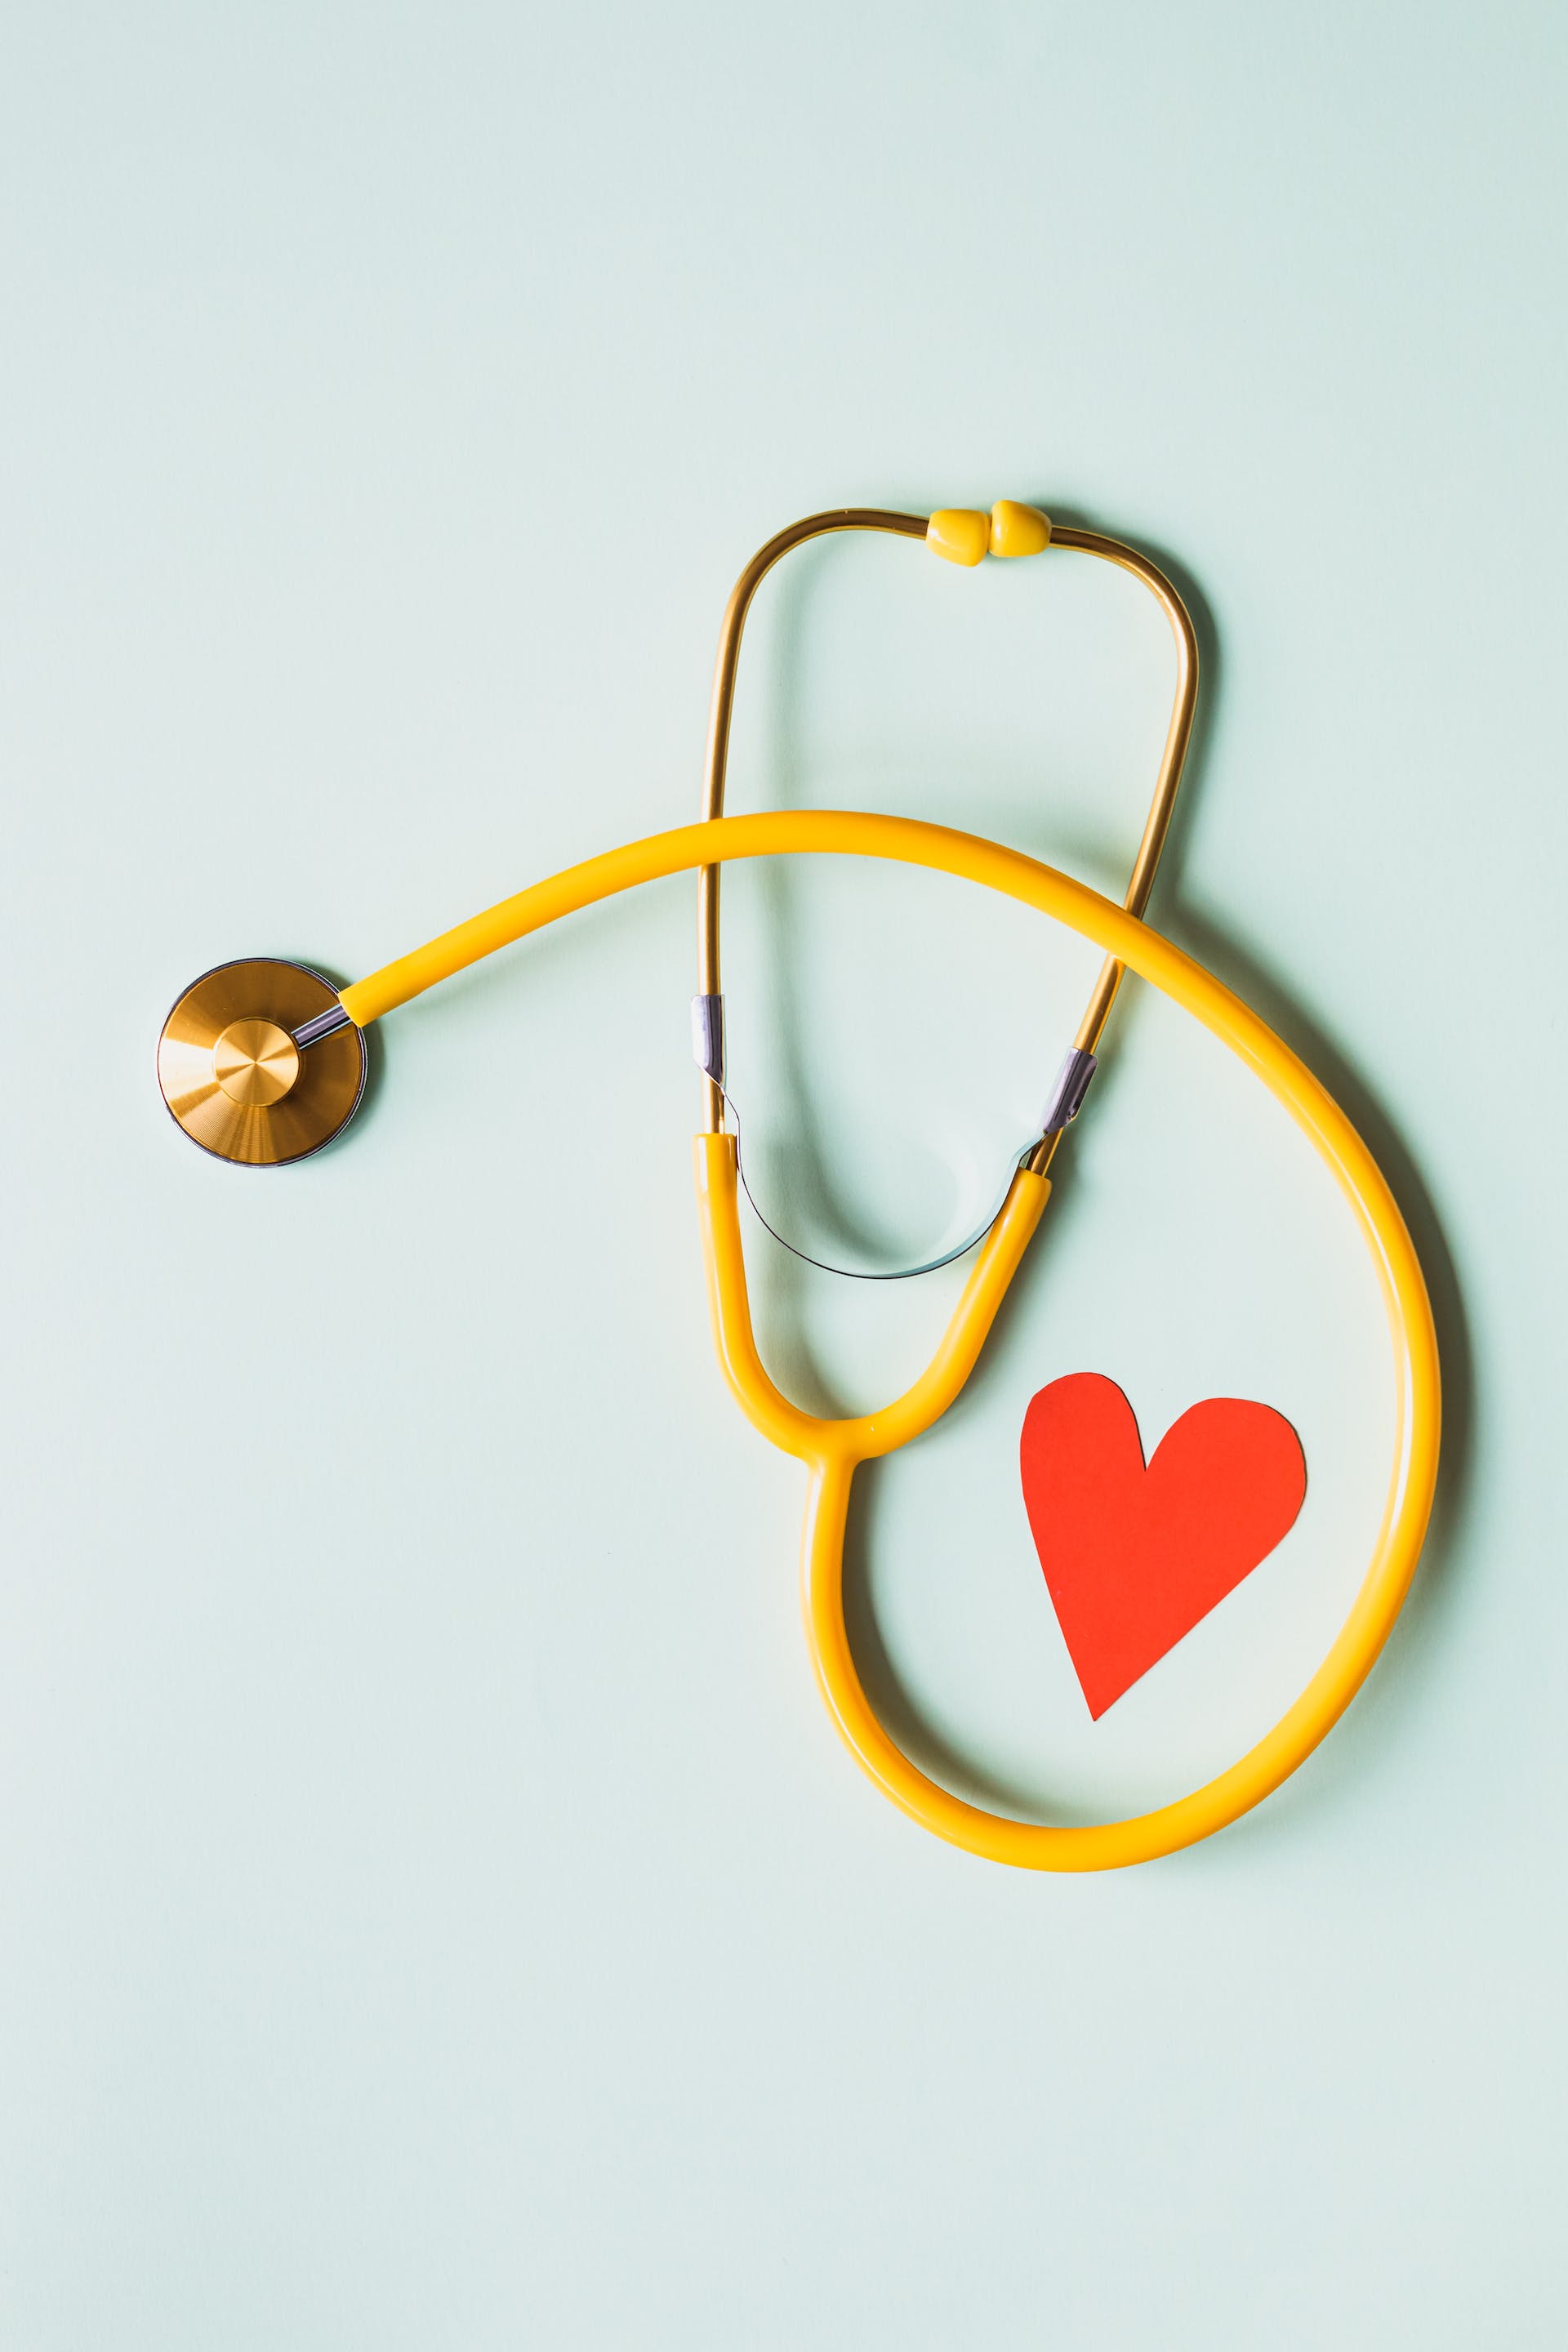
434 1910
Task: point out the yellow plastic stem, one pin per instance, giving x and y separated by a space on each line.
833 1449
870 1434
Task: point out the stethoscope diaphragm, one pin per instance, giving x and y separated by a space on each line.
255 1067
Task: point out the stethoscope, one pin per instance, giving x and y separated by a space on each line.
262 1062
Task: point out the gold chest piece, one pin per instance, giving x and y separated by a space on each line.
235 1074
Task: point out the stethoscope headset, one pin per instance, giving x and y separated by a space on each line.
262 1062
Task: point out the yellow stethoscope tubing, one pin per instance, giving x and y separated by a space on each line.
832 1449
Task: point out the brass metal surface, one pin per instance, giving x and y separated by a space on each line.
234 1078
255 1063
1156 825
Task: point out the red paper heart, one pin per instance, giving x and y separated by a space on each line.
1134 1556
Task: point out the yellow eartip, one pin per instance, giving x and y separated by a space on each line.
1019 530
959 534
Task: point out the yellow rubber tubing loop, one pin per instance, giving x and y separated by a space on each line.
832 1449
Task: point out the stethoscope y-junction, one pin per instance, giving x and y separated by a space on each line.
262 1062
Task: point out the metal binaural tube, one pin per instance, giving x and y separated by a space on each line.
1178 735
717 758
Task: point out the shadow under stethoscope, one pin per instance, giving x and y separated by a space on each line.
1376 1714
